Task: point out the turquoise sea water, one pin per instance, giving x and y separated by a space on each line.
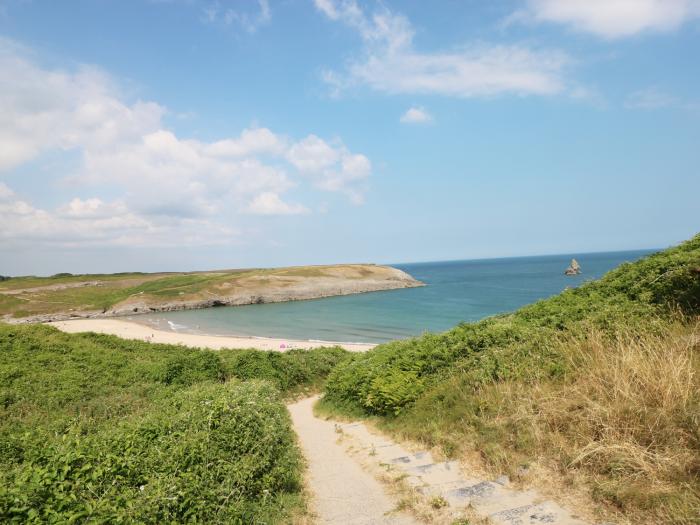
456 291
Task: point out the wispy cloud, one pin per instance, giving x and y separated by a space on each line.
416 115
651 98
610 18
390 62
249 21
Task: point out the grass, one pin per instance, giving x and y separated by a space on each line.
624 422
97 428
597 387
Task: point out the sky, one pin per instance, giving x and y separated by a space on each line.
201 134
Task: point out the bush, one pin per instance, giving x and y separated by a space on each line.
292 370
189 367
98 428
212 453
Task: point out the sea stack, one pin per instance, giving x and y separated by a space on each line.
573 269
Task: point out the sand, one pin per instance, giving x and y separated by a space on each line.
343 492
131 330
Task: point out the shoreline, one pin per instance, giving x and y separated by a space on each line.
141 332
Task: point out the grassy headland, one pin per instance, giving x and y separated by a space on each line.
63 296
599 385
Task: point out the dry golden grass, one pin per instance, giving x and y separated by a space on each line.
617 438
626 423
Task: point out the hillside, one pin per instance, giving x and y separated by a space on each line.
598 386
65 296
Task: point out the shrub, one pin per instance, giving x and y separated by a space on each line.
288 370
98 428
212 453
189 367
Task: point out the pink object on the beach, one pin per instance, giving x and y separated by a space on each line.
283 345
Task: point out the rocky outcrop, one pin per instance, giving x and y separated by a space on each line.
573 269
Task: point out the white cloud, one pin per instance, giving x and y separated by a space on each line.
251 142
142 180
312 154
48 109
612 18
416 115
269 203
94 222
391 63
331 167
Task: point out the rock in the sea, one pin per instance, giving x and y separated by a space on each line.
573 269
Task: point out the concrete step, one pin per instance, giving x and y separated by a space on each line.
463 495
492 499
443 488
504 499
545 512
387 454
419 459
436 473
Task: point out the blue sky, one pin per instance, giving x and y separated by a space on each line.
187 134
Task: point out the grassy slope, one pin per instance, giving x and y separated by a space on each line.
598 383
153 288
94 427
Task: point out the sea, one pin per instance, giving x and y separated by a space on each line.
455 292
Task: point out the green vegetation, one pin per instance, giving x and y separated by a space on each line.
598 387
96 428
600 384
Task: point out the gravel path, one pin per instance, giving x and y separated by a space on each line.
343 492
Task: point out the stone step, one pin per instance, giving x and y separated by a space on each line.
419 459
442 489
493 499
387 454
545 512
436 473
465 494
505 499
376 445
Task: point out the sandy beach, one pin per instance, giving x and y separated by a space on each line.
130 330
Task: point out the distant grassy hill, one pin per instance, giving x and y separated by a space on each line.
600 383
64 295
